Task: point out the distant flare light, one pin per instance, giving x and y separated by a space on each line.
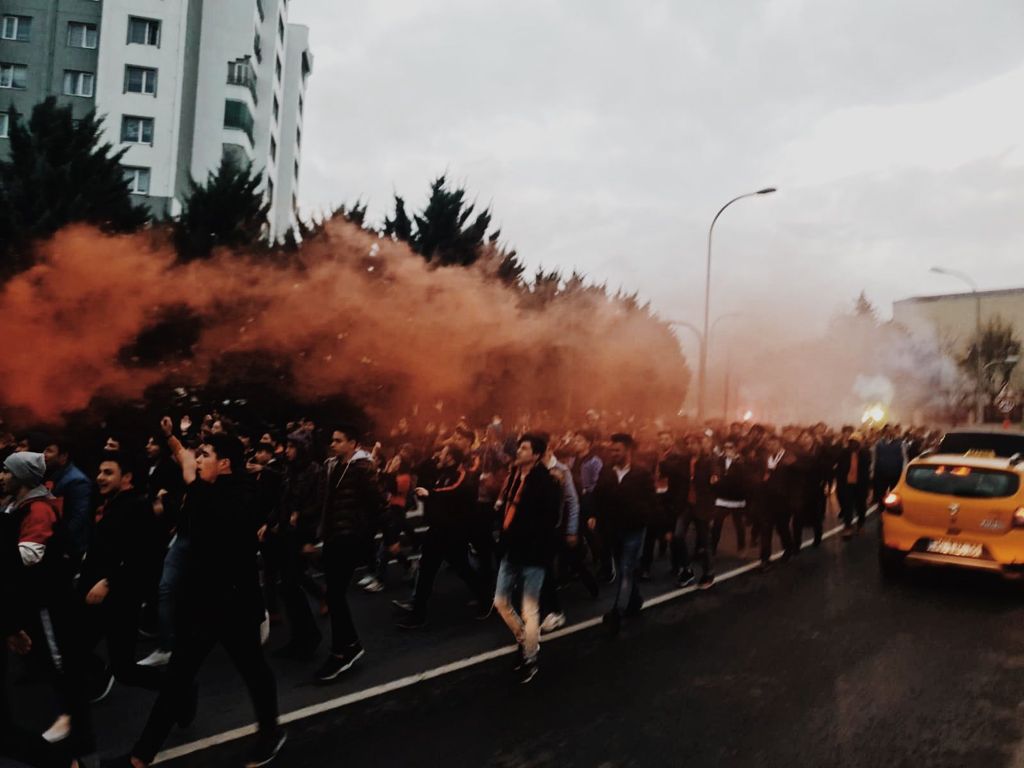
874 415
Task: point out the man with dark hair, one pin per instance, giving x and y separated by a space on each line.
67 482
586 469
625 499
778 493
351 501
125 552
530 504
448 498
221 602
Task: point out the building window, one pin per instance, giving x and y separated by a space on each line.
143 31
280 27
13 76
259 9
273 149
241 72
296 170
302 104
17 28
5 125
270 189
79 83
139 80
137 130
138 180
298 136
82 35
238 116
277 69
277 109
257 46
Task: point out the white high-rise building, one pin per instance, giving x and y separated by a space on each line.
184 83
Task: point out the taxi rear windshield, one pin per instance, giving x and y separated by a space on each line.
967 482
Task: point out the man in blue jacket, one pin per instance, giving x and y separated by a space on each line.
66 481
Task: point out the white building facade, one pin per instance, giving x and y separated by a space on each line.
184 83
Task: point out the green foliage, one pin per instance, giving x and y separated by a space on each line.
999 341
446 232
59 172
227 211
863 308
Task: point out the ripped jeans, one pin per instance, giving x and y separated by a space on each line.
525 628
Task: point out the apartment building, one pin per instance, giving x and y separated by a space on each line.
180 83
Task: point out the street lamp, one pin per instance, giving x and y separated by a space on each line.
703 375
703 343
979 411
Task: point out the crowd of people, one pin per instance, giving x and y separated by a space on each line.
207 533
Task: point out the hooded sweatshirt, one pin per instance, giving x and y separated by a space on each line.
38 510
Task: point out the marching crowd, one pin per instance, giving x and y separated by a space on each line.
210 531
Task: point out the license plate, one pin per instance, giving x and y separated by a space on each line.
954 548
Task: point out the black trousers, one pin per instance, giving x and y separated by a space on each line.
341 556
681 559
481 537
21 744
812 516
853 501
240 637
290 566
572 562
441 547
738 523
116 620
775 516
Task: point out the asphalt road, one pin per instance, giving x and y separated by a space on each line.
817 663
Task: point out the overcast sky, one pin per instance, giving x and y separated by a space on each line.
605 134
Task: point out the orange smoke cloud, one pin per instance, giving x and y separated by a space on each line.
356 316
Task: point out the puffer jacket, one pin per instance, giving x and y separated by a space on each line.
350 497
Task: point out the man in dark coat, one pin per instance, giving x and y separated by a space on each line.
530 505
625 500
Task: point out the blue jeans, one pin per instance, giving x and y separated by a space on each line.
626 551
525 628
170 578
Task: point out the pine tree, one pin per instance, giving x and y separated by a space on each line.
227 211
60 171
399 227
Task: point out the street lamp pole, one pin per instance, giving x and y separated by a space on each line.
703 375
979 408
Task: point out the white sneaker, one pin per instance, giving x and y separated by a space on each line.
373 585
365 580
157 658
552 622
59 731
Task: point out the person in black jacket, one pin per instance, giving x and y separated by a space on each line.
729 479
625 500
778 490
853 477
351 501
294 529
530 505
449 497
119 566
221 600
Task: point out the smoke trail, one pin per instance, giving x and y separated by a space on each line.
112 317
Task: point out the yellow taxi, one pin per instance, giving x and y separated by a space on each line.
961 505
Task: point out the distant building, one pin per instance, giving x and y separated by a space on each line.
181 83
951 319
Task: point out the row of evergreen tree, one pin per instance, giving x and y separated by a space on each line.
60 171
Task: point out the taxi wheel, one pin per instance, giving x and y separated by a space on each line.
891 563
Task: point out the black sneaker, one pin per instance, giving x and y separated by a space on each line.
266 748
335 665
187 713
686 577
404 605
102 689
520 660
528 672
706 581
412 621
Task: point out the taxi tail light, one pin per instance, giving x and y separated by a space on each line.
894 506
1018 517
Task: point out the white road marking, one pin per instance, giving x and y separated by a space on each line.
446 669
